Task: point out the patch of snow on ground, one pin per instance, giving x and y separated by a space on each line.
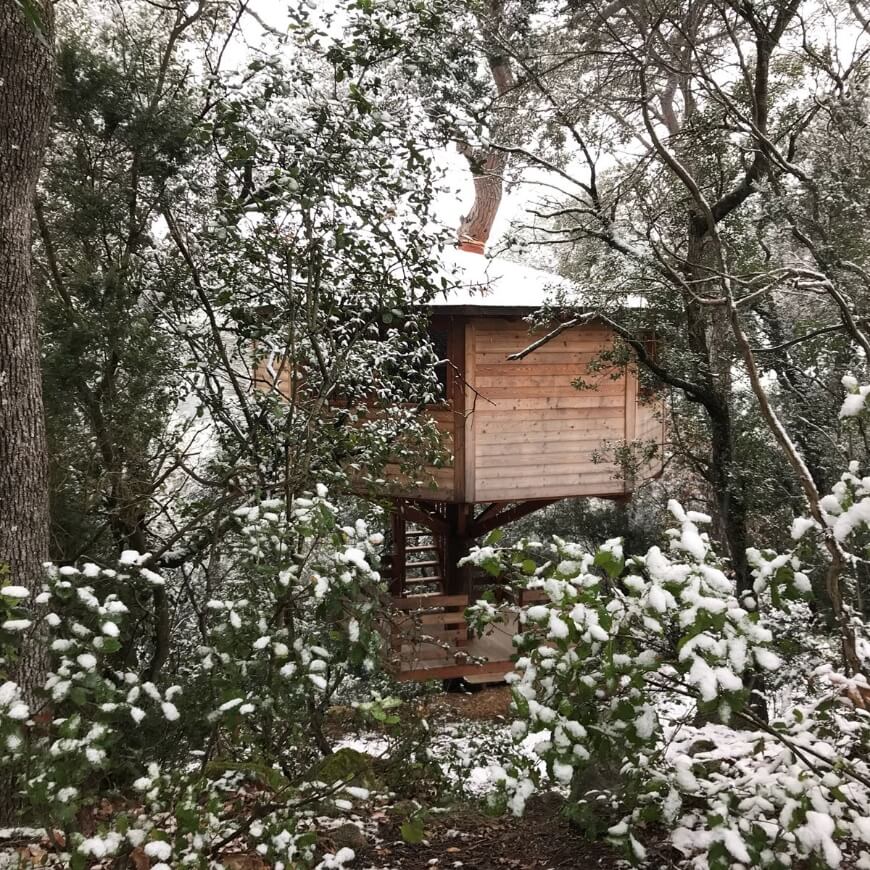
367 744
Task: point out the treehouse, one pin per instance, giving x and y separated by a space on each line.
523 434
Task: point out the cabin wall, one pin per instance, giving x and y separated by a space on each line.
446 482
531 433
520 430
436 483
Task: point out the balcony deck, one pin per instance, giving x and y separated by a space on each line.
430 640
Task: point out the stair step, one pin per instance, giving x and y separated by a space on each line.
415 603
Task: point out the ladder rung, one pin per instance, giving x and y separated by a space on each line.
425 548
419 580
433 563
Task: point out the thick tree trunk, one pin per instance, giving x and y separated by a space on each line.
26 90
487 169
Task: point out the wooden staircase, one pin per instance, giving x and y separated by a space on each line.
428 629
428 634
424 563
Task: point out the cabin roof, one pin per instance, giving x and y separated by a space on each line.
493 284
496 286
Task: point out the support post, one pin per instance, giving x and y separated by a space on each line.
400 556
457 544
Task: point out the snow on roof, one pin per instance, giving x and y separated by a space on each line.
494 283
484 282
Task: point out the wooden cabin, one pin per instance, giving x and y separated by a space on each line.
522 429
522 436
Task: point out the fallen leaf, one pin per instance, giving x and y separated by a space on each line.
31 856
243 861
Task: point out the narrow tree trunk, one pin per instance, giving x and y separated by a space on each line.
712 343
26 90
488 164
730 495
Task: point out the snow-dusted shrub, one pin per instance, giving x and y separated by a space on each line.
296 613
613 667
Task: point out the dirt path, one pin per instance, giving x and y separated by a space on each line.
539 840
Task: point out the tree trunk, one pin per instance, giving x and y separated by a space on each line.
487 169
711 341
26 91
487 165
728 485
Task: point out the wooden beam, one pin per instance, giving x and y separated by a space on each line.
422 602
469 422
508 515
451 671
456 546
447 617
488 510
399 566
456 381
418 514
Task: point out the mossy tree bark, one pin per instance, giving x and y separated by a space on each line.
26 91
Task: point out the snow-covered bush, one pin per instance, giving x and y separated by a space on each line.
614 666
296 614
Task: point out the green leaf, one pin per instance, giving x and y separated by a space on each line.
521 703
491 566
612 566
412 831
188 821
111 645
493 537
307 839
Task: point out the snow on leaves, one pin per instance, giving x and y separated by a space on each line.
296 617
611 669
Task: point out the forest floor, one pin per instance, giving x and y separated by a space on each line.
465 836
429 816
457 834
469 839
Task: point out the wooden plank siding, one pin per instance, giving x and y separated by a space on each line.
473 404
437 483
447 483
533 433
520 430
